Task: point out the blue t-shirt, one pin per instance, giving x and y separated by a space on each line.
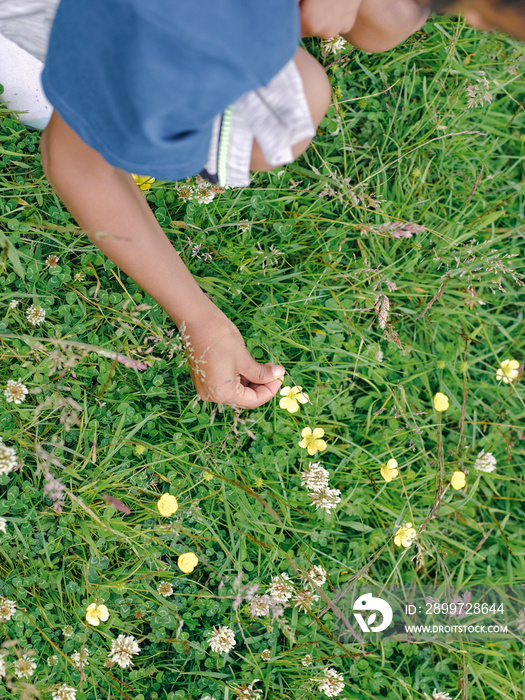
140 81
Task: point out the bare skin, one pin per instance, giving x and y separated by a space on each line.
492 16
379 25
370 25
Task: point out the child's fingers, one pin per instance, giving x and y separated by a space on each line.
257 373
254 395
258 383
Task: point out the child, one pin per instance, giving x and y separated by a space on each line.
146 88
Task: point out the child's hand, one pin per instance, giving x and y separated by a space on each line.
222 369
327 18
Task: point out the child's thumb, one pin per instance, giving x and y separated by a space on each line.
256 373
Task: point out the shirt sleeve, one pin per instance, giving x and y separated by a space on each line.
141 82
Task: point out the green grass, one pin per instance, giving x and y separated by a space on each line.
305 281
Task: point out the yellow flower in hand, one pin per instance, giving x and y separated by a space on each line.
187 562
167 504
390 470
458 480
441 402
312 440
291 396
143 181
95 613
405 535
508 370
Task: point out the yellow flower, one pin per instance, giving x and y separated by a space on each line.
458 480
292 395
143 181
187 562
405 535
508 370
441 402
311 440
167 504
390 470
95 613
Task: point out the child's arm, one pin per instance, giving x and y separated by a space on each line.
106 200
370 25
327 18
382 24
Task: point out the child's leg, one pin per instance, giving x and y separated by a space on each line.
317 90
20 78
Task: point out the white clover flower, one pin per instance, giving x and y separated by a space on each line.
281 589
222 639
185 192
7 458
80 658
247 692
7 609
3 670
14 303
35 315
266 655
15 392
305 599
52 660
485 462
307 660
121 650
315 478
436 695
3 523
335 44
24 667
378 355
260 606
332 683
64 692
165 588
52 261
203 193
67 631
327 499
317 574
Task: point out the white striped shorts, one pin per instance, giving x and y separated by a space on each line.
276 115
27 23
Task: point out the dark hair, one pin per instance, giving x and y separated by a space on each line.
440 6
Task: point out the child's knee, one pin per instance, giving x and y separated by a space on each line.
318 95
315 83
316 89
